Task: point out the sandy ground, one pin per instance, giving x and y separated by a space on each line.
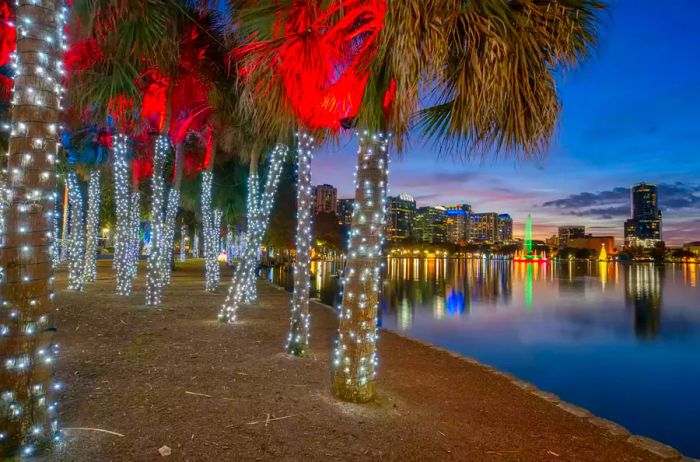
214 392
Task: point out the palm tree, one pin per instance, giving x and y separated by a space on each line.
117 43
298 52
491 66
28 348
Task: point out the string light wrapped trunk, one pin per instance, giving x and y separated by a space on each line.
92 228
64 229
243 287
168 241
123 205
229 245
134 236
76 239
183 242
27 402
355 356
210 263
171 212
298 339
156 260
195 245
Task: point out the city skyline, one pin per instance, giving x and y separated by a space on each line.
623 123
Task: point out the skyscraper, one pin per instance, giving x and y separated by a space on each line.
643 229
505 228
483 227
344 211
567 233
325 197
457 223
430 225
401 211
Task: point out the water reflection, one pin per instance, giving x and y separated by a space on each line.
605 336
643 292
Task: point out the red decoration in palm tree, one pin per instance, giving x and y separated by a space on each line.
319 56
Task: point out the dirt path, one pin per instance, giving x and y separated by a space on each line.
213 392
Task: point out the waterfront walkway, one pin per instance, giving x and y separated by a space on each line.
138 379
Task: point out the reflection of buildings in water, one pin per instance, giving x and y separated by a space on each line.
643 292
572 278
690 274
404 315
488 281
447 286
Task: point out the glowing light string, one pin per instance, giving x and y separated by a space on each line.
27 403
122 201
354 356
211 265
298 339
243 288
76 239
92 228
156 260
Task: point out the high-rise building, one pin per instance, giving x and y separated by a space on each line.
325 198
566 233
483 227
456 223
401 211
643 229
344 211
505 228
430 225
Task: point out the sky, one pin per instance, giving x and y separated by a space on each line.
630 114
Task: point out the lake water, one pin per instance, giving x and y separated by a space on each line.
620 340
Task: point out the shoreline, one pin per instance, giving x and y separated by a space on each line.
176 377
643 442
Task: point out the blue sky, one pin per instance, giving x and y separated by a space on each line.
631 113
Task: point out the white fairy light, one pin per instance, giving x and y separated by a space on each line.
76 245
195 245
354 356
168 239
229 245
28 197
92 227
122 201
183 242
243 288
211 264
298 338
134 235
156 260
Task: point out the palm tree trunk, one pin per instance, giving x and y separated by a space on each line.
27 349
64 228
183 234
134 236
355 356
122 202
156 260
243 288
211 265
298 339
76 245
92 228
171 212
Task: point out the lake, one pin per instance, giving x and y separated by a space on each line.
622 340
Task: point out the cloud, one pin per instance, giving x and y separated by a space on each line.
615 203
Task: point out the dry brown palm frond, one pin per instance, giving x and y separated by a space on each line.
498 88
414 44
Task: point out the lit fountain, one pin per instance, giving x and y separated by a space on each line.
527 255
